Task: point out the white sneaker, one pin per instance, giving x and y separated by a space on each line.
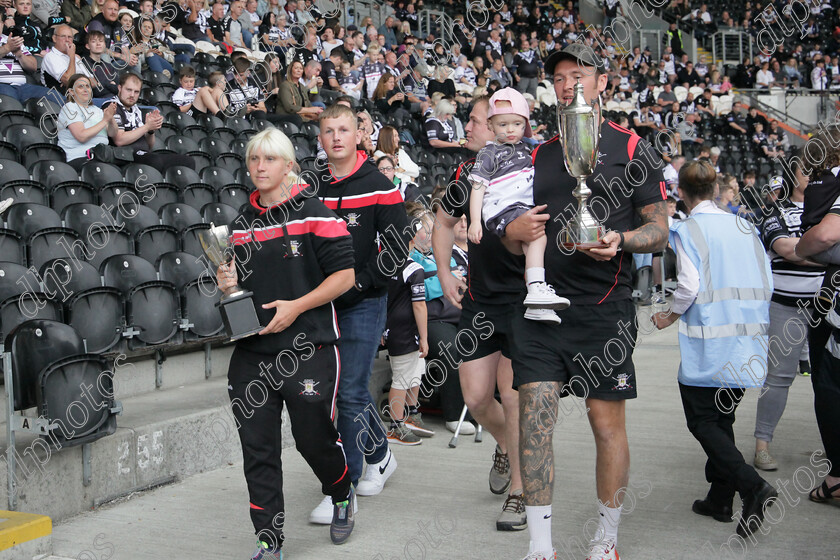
602 550
467 428
375 477
546 315
323 514
6 204
542 296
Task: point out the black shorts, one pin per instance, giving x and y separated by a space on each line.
591 351
499 223
484 328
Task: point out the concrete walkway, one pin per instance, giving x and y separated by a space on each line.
437 504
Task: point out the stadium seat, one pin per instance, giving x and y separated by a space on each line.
310 130
153 241
238 124
190 242
214 146
34 345
209 122
202 160
219 213
289 128
12 171
162 194
181 120
9 152
166 107
28 305
24 191
9 118
135 217
85 218
15 279
61 386
113 194
106 242
230 161
52 243
152 305
179 215
12 247
42 152
100 174
140 174
52 173
302 150
243 177
195 132
24 135
165 131
217 177
26 218
199 294
239 147
224 134
9 104
198 195
181 144
233 195
95 311
181 176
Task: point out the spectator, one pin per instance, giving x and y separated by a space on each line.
444 84
82 125
328 70
666 97
76 13
233 29
440 128
273 33
150 50
373 69
185 95
764 78
405 170
135 131
31 27
211 99
184 15
312 81
389 100
819 77
104 72
293 100
527 69
387 30
218 27
249 21
116 37
17 62
62 62
329 42
348 83
409 191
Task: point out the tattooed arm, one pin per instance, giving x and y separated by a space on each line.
650 237
537 416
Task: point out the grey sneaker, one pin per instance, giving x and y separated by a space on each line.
343 519
764 461
415 423
513 516
399 434
500 472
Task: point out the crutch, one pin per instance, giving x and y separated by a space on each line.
454 441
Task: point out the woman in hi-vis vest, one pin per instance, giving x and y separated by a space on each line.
722 303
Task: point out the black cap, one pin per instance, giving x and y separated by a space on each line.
582 54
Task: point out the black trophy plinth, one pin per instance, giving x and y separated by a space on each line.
239 315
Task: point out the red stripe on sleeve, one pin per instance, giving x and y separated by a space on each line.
663 189
631 144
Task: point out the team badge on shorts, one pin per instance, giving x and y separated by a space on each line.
353 219
309 387
622 382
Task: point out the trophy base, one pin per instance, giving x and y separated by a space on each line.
240 316
588 245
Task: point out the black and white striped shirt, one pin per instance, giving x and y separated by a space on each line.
791 282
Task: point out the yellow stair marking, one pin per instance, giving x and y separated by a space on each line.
17 527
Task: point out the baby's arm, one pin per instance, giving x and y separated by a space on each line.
476 201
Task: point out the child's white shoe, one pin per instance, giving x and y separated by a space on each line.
542 296
545 315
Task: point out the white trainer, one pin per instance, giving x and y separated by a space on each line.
542 556
542 296
467 428
323 513
546 315
602 550
376 475
6 204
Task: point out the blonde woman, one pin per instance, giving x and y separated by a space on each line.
312 245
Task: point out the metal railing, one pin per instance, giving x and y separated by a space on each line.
731 47
437 23
820 103
361 10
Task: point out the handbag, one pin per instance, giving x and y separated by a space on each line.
118 155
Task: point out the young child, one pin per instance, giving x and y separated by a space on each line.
503 189
349 84
406 336
185 95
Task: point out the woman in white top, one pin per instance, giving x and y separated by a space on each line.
82 125
388 144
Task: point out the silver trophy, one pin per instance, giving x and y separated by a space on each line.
239 313
580 131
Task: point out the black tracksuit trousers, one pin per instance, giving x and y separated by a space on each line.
258 390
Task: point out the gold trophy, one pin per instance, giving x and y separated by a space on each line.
580 131
237 308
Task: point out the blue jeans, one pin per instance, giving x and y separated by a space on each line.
247 37
362 432
25 92
183 53
158 64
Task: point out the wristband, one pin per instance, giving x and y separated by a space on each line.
621 241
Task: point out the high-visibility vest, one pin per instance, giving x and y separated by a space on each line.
723 334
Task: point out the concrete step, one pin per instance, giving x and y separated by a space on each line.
24 535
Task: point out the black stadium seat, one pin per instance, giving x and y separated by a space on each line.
52 173
12 171
114 194
81 217
201 160
139 174
199 294
151 304
106 242
153 241
224 134
42 152
214 146
29 305
100 174
234 196
12 247
135 217
24 191
9 104
24 135
219 213
194 132
95 311
179 215
9 118
198 195
71 192
181 144
26 218
34 345
230 161
190 242
217 177
181 176
9 152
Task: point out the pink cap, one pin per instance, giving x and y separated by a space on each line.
518 106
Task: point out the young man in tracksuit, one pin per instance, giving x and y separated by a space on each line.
372 207
295 256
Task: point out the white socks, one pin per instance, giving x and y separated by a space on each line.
534 275
608 519
539 524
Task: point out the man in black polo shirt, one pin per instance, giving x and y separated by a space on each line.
493 285
590 353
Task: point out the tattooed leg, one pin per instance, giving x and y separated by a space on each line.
537 417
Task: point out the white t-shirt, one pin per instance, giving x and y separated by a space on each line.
89 116
56 63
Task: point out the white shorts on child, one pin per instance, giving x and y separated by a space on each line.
407 370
